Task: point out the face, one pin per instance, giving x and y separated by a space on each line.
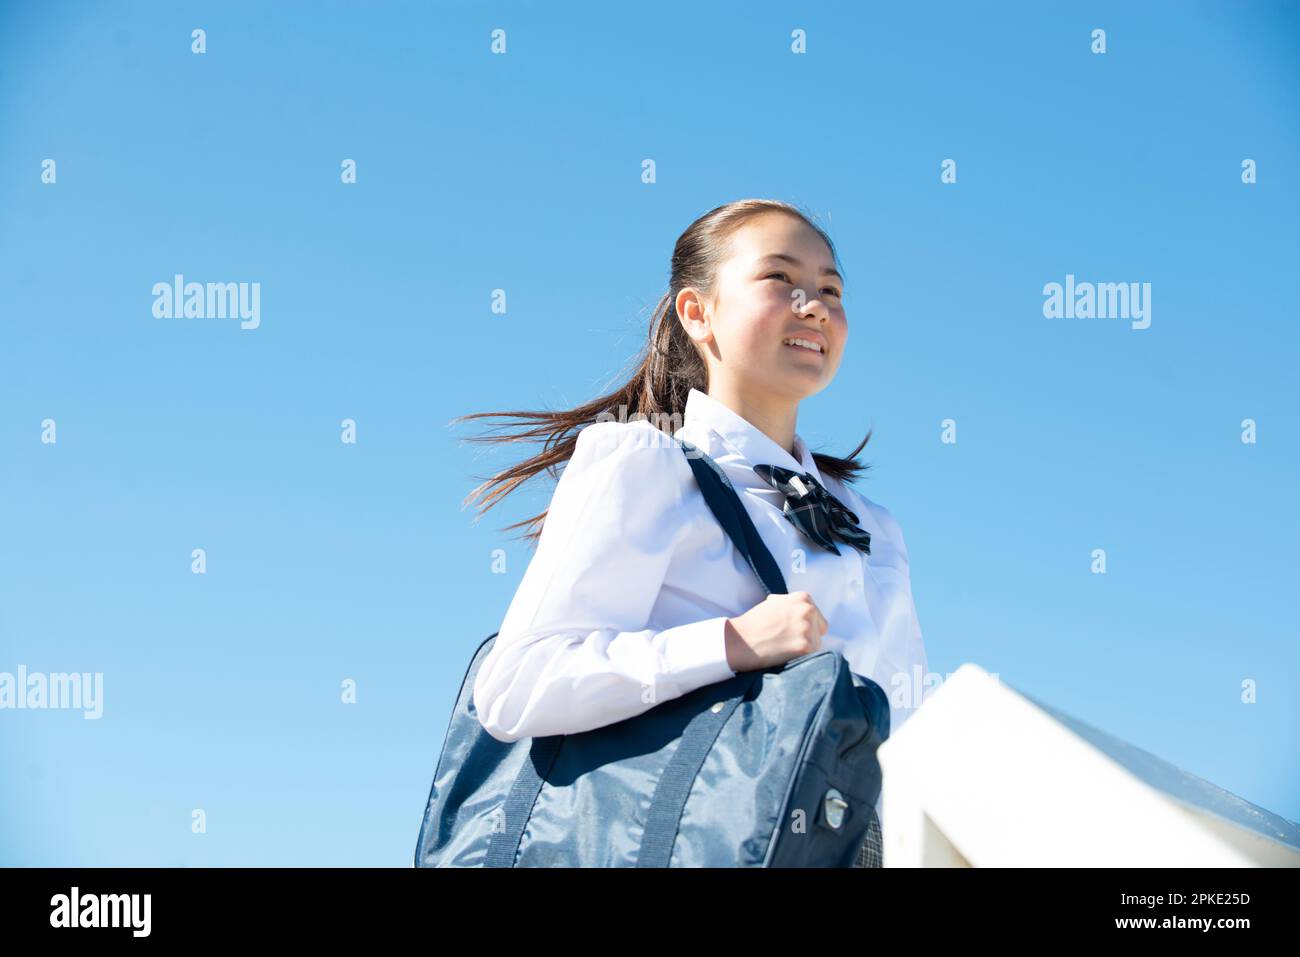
777 284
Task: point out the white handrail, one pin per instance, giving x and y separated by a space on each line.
983 775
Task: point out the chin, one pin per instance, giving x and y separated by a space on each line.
801 387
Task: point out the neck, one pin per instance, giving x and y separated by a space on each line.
772 415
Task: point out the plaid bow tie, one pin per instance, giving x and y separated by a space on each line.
814 511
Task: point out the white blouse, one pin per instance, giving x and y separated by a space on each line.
624 604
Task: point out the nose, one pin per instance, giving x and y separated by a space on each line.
816 309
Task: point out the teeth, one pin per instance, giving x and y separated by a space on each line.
803 342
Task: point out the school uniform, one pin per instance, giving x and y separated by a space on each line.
624 603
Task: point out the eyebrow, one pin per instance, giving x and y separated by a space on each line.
826 270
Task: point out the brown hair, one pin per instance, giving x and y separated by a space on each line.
670 366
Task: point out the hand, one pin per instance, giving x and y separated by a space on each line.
777 629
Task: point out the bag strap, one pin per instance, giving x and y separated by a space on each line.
508 830
663 819
725 504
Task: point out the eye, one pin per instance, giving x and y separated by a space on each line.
832 290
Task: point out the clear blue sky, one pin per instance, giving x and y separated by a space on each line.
328 561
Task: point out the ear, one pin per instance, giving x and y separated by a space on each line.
693 314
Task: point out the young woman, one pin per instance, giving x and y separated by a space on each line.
635 595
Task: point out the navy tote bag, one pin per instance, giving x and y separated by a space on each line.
770 768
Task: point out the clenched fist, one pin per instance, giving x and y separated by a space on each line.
777 629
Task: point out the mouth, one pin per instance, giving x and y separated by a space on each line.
804 345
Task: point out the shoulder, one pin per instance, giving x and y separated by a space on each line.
635 451
871 514
625 482
636 439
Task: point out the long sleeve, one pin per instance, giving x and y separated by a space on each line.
917 644
911 655
901 651
576 650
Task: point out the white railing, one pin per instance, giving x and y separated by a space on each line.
985 776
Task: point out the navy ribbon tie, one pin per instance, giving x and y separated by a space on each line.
814 511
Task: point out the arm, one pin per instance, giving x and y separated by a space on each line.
916 649
575 651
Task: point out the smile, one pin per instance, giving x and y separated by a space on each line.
805 344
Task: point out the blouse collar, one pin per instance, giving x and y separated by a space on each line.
745 439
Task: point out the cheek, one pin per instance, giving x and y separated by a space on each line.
840 327
754 324
842 337
767 331
765 320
